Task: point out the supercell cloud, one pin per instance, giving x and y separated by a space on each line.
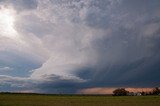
63 46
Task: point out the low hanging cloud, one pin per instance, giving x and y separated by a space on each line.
78 44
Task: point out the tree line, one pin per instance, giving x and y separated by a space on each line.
124 92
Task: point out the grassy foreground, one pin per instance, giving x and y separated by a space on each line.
66 100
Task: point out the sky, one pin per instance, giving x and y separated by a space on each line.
76 46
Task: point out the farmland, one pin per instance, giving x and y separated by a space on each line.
76 100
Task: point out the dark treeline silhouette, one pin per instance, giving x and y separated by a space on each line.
123 92
120 92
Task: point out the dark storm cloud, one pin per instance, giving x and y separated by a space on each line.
101 43
126 56
57 85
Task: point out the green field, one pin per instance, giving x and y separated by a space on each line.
75 100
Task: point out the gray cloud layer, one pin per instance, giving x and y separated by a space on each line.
86 43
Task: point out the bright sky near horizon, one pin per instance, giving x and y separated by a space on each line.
71 46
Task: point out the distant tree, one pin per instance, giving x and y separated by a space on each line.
120 92
144 93
150 93
156 91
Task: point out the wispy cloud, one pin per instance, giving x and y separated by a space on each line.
5 69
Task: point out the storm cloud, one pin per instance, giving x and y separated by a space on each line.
63 46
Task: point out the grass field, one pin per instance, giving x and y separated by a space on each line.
70 100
